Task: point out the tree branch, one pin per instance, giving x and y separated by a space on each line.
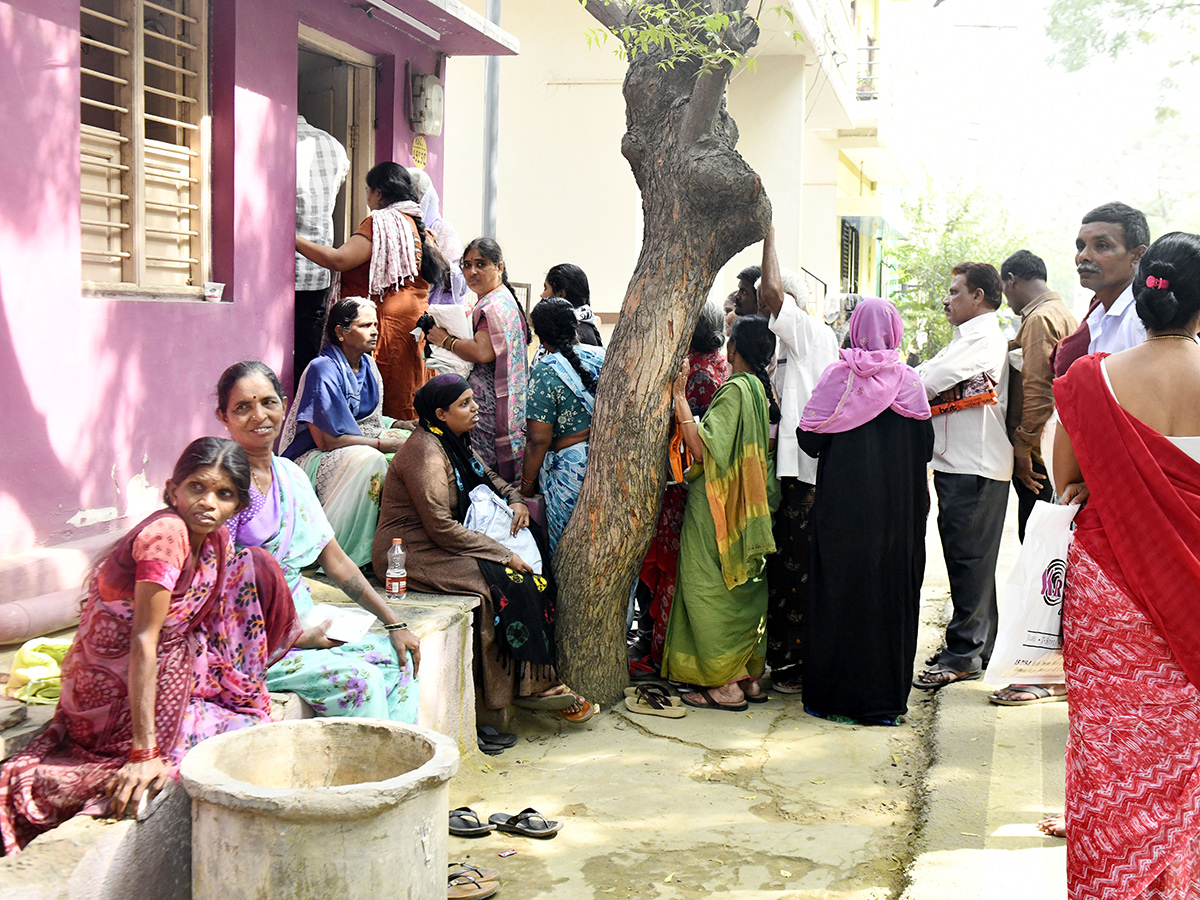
612 14
702 108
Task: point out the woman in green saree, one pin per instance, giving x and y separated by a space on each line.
716 636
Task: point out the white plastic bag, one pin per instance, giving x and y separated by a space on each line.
490 515
1029 640
455 320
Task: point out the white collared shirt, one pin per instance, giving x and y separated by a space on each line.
807 346
1117 328
971 441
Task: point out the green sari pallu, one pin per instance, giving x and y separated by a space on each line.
717 630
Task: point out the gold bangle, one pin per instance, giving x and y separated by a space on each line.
395 626
686 421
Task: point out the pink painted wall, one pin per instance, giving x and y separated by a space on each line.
96 392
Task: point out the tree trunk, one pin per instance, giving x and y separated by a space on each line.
701 204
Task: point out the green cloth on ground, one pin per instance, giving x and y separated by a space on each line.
36 676
717 630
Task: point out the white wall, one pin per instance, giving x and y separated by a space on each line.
566 194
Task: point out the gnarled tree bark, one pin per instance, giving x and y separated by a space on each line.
701 204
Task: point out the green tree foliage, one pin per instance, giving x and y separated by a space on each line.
1083 30
943 231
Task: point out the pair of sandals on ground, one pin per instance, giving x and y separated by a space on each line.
467 882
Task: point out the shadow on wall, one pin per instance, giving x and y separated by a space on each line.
30 462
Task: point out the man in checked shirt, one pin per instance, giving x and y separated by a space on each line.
321 167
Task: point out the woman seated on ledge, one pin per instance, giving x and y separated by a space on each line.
335 430
174 641
425 500
372 678
562 395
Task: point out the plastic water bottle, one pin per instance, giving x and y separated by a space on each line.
395 583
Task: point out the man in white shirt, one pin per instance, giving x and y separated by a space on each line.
1109 246
321 168
972 464
806 347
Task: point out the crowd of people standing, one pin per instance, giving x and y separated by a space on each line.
790 542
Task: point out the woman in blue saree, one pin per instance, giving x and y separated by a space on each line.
336 431
374 677
562 395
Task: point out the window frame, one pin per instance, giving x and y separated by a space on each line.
138 210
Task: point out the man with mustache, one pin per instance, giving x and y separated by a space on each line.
1111 241
972 464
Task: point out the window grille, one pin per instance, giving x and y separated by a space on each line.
144 177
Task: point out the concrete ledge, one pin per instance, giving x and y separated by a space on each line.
443 623
46 570
93 859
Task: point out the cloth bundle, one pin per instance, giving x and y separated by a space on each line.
490 515
37 670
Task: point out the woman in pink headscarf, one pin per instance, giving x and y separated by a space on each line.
868 424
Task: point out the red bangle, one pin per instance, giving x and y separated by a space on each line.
144 755
378 445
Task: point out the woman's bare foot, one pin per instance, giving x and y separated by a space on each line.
751 688
1053 826
727 694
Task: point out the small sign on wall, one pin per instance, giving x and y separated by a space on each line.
420 151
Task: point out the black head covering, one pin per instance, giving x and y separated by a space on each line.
440 393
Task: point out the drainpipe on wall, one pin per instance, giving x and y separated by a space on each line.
491 129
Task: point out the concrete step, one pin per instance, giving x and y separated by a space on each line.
46 570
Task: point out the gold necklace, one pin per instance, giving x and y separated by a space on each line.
254 475
1163 337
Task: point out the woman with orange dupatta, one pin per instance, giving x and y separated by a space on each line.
716 635
391 260
1130 448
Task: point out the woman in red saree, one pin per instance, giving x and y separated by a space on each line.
173 645
1130 447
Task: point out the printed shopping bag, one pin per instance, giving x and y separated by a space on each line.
1029 640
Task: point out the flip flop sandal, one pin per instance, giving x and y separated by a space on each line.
714 704
489 748
923 684
565 700
464 887
464 822
760 697
642 668
653 703
587 710
659 692
795 686
528 822
492 736
1040 695
462 868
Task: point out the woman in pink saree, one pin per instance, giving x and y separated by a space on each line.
173 645
500 376
1130 446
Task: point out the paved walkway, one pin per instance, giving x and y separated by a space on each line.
995 771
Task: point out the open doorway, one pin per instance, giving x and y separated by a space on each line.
335 92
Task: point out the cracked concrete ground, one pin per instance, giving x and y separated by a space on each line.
766 803
772 803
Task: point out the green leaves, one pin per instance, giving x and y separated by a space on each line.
944 230
683 32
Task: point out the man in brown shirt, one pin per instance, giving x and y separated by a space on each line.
1045 320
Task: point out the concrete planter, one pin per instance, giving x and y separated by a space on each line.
346 808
